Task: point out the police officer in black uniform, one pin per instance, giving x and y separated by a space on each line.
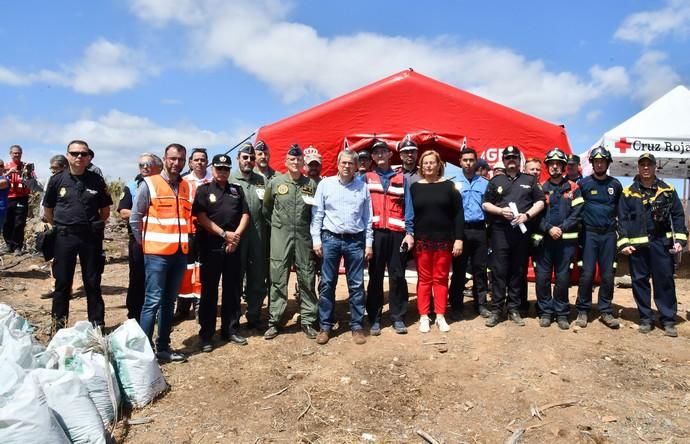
222 212
651 229
78 203
509 242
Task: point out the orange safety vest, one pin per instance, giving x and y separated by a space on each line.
166 223
388 206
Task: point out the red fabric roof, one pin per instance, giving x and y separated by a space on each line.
437 116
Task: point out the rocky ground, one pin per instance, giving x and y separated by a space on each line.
472 385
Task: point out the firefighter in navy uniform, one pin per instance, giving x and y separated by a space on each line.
556 239
78 203
651 229
601 193
508 242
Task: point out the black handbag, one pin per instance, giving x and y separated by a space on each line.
45 243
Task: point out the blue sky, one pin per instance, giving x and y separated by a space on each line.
131 76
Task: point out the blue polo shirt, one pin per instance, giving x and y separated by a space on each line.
472 192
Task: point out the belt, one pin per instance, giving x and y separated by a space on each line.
475 225
73 228
344 235
599 230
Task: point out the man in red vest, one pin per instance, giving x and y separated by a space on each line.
20 176
160 219
387 189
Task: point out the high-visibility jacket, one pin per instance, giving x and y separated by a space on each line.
388 205
570 204
167 220
18 188
641 215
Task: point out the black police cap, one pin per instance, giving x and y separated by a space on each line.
574 159
221 160
511 150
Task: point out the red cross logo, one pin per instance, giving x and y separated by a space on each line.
622 145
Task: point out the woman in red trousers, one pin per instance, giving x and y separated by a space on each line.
438 224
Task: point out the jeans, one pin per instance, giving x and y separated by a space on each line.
351 247
163 278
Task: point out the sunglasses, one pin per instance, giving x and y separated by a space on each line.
222 168
78 153
247 157
145 165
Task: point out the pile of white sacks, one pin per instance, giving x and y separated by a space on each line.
71 390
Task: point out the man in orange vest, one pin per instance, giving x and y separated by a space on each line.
160 220
387 189
20 176
190 289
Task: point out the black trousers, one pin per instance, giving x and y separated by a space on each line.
135 291
70 243
215 264
15 222
475 247
387 255
508 262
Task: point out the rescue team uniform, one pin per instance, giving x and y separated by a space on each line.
190 288
598 241
160 219
647 220
387 190
224 205
17 207
288 205
509 246
563 210
77 201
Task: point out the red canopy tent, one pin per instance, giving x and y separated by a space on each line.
435 114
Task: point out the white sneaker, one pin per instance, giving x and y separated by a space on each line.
442 324
424 324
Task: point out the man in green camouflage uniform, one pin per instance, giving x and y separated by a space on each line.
287 205
253 246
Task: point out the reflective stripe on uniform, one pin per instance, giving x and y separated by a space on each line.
164 221
621 241
639 240
577 201
570 235
165 238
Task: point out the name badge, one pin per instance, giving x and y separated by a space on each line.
260 193
309 200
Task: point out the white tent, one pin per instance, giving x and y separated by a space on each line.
663 128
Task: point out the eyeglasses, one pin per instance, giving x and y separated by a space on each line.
145 165
78 153
247 157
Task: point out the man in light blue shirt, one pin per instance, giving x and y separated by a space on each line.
475 245
341 228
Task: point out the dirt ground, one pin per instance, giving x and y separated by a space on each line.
472 385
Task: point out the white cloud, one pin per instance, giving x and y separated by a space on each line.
105 67
296 62
116 137
648 26
593 116
654 78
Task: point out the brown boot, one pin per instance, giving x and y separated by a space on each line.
358 337
323 337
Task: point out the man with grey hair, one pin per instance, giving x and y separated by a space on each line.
149 164
341 227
